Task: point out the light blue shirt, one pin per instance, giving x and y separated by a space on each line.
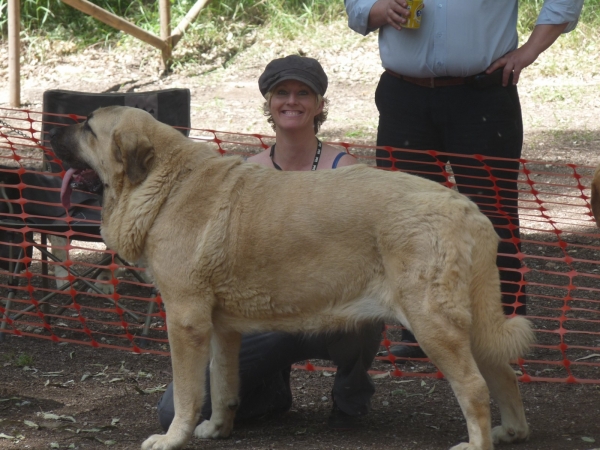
457 37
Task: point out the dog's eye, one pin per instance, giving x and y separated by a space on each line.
86 127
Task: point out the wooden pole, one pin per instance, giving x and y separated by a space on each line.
187 20
165 32
116 22
14 52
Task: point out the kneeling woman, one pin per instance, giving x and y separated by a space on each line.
293 88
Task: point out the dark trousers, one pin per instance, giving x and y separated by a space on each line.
265 364
465 122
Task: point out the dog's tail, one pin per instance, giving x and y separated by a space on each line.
504 341
495 339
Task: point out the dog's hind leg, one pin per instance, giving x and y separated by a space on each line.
448 346
224 385
503 385
496 340
189 331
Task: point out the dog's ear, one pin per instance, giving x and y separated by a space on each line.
135 152
596 196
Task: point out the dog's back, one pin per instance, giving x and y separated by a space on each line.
354 244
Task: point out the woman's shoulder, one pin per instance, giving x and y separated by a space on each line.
261 158
333 157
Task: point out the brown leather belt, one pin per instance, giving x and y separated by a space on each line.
434 82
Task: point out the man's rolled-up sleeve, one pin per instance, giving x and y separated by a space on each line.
358 15
555 12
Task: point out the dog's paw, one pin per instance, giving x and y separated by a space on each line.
211 430
465 446
500 434
161 442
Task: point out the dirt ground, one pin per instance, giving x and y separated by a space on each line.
74 396
110 409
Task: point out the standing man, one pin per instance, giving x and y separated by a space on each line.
450 87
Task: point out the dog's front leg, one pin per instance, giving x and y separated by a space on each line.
189 331
224 385
58 249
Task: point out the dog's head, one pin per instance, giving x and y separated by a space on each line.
111 147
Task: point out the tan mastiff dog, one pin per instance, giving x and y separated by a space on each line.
236 247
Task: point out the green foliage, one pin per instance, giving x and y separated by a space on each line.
57 20
529 10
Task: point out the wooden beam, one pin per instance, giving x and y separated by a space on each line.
165 32
14 52
187 20
165 19
116 22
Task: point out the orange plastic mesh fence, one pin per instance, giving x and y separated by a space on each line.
559 256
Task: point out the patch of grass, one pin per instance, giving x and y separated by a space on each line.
54 19
571 137
529 10
7 357
23 360
573 53
550 93
564 138
20 360
357 134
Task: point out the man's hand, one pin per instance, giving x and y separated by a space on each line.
542 37
514 62
388 12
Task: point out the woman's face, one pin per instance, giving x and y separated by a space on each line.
294 105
